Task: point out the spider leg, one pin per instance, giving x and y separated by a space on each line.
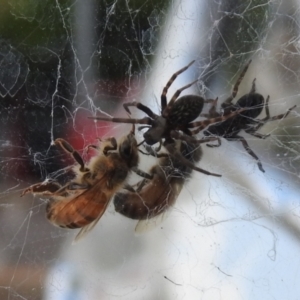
212 113
142 173
257 134
248 149
171 80
282 116
189 139
177 155
70 150
213 145
227 102
269 119
253 88
141 107
165 112
144 120
140 185
202 124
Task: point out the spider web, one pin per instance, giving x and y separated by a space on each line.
234 237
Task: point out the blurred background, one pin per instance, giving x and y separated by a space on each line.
235 237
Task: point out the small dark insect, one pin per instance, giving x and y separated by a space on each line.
82 201
246 120
177 115
150 198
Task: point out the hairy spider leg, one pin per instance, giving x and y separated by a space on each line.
245 145
170 146
213 109
266 119
253 88
173 152
165 112
202 124
141 173
248 149
212 113
141 107
189 139
228 101
171 80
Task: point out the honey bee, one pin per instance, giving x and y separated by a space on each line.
82 201
150 198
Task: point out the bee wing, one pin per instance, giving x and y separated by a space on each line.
149 224
144 226
86 229
82 211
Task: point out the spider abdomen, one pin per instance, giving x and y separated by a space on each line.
185 110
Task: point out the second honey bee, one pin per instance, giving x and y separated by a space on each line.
82 201
150 198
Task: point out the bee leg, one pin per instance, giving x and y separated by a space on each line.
112 147
228 101
45 188
88 147
70 150
129 188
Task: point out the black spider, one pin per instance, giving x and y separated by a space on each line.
178 115
246 120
